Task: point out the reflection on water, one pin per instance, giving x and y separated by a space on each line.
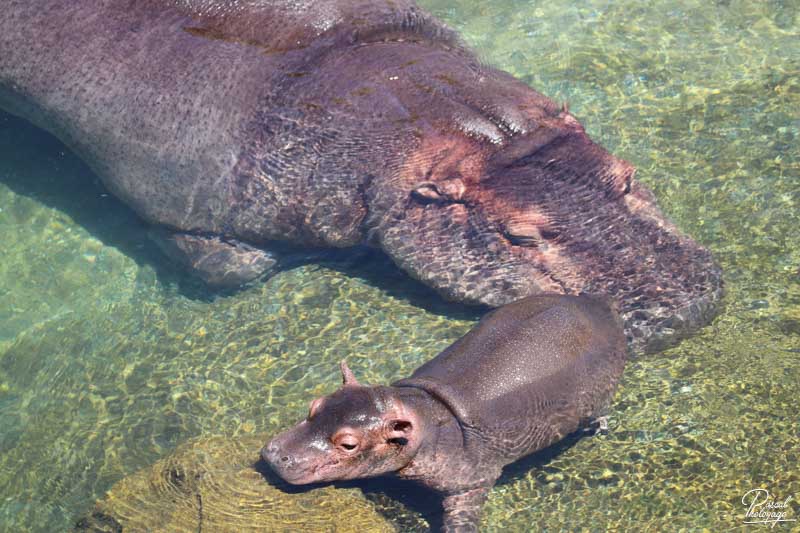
110 358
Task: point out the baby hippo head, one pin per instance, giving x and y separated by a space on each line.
355 432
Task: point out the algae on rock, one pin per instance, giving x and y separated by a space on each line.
212 484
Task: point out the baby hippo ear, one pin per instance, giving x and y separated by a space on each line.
348 378
398 431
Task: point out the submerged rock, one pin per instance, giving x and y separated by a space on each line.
213 484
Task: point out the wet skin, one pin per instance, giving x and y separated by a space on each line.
234 126
526 376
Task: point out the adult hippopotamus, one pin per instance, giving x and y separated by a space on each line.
234 127
527 375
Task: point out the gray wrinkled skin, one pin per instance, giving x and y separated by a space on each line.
526 376
235 125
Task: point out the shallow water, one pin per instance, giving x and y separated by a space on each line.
110 358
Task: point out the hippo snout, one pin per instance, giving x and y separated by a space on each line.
289 466
268 451
272 454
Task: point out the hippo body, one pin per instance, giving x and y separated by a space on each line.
527 375
236 127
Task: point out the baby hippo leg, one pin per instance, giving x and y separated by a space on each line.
462 511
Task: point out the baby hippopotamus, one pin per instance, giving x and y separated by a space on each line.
526 376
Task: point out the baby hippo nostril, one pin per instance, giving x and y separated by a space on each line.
287 461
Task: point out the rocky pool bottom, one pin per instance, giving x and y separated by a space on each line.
112 361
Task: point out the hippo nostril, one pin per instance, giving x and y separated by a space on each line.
286 461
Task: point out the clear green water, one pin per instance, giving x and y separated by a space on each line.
109 358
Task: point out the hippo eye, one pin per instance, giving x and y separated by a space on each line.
530 229
427 192
346 442
448 190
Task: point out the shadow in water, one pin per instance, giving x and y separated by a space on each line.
412 507
409 506
37 165
537 462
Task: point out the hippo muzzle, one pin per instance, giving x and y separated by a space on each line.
283 463
298 456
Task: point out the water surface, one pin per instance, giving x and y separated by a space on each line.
110 357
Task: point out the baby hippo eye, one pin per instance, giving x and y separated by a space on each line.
346 442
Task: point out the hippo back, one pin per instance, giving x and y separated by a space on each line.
550 359
158 96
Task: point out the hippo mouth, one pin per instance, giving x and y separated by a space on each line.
300 469
289 467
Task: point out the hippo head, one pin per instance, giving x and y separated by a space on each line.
508 211
355 432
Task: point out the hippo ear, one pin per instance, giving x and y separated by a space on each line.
348 378
398 430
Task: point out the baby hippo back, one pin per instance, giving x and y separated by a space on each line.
530 372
